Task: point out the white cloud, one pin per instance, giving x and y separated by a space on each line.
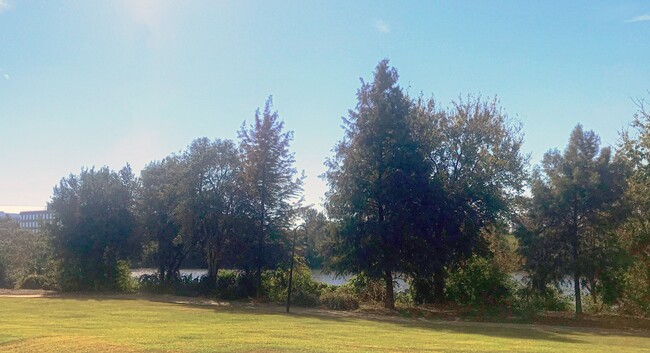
382 26
6 76
4 5
641 18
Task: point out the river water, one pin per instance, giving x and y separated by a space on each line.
316 274
320 276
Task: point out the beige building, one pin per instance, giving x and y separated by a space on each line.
34 220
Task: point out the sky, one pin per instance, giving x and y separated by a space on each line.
94 83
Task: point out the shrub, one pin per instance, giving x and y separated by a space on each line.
341 298
124 282
421 290
636 289
305 291
150 283
36 281
479 283
404 298
186 285
234 285
529 302
367 289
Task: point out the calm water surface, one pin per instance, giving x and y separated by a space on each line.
318 275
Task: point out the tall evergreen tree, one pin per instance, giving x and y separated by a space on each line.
377 180
572 215
271 181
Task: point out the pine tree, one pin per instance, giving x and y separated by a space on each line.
572 214
271 180
376 182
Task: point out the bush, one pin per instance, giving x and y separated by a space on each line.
636 289
367 289
124 282
341 298
115 277
234 285
421 290
150 283
36 281
187 285
404 298
479 283
529 302
305 291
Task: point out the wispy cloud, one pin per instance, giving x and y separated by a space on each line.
6 76
4 5
382 26
641 18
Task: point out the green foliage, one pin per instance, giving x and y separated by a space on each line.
479 282
26 258
405 298
575 208
211 204
186 285
124 281
234 285
503 249
4 278
636 290
340 298
477 174
318 230
367 289
158 200
376 178
271 184
34 281
635 233
305 291
150 284
529 301
94 227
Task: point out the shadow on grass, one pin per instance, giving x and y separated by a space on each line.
563 334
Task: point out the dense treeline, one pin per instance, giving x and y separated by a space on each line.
412 186
439 196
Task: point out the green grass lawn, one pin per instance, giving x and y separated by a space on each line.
84 324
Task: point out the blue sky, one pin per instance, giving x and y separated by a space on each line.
93 83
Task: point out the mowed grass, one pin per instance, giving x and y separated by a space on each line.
84 324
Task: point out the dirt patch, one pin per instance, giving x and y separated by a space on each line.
30 293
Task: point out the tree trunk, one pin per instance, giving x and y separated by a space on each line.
213 266
261 239
389 301
439 285
576 288
576 256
